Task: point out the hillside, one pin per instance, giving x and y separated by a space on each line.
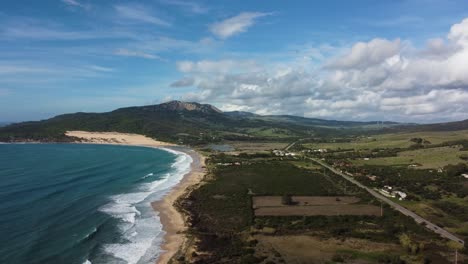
192 123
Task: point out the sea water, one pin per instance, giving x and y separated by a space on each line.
80 203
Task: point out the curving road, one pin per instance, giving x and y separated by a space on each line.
434 228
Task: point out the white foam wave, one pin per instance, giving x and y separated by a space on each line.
148 175
139 224
87 262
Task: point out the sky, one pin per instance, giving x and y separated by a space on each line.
358 60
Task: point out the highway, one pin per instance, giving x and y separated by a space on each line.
434 228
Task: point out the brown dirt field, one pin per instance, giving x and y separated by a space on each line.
303 249
341 209
275 201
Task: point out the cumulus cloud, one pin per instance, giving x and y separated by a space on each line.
366 54
235 25
376 80
139 13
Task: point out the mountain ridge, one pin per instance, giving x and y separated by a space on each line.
195 123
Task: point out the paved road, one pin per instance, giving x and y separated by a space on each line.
442 232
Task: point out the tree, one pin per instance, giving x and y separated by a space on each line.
286 199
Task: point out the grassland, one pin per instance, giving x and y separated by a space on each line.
309 249
428 158
396 140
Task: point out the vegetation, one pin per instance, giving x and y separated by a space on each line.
223 221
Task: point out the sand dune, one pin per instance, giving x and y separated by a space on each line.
116 138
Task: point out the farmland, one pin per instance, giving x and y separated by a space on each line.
428 158
312 205
396 140
226 228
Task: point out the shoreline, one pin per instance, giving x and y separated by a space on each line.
173 222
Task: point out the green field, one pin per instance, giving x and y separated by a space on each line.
396 140
429 158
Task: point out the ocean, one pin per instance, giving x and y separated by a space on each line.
83 203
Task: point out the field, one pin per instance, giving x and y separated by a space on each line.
309 249
268 201
429 158
256 146
312 205
397 140
330 210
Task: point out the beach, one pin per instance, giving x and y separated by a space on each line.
172 220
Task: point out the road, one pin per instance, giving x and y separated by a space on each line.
294 143
434 228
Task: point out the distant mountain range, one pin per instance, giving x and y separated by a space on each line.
194 123
4 123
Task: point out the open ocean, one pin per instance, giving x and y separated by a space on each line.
80 203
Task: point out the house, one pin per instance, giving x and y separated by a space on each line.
401 195
279 153
390 192
320 150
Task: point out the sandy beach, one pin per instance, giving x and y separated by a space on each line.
172 220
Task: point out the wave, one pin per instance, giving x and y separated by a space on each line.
148 175
90 234
139 225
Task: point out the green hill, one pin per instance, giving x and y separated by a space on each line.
188 123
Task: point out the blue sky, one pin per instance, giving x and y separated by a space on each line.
352 60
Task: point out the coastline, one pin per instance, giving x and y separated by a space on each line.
173 222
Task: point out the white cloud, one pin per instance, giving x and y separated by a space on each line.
192 7
376 80
72 3
235 25
220 66
366 54
139 13
139 54
184 82
26 28
77 4
459 33
101 68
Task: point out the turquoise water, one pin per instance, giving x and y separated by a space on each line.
70 203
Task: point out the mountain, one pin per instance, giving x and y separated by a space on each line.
4 123
184 106
192 123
